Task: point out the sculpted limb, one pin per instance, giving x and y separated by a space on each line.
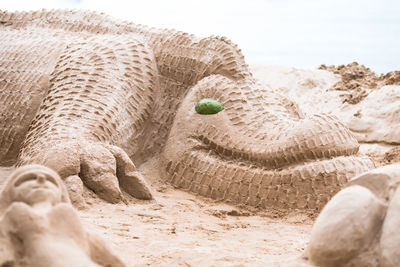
42 226
88 108
359 225
188 59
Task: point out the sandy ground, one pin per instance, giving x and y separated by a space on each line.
180 229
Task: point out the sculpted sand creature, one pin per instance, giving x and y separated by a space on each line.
39 227
359 226
85 94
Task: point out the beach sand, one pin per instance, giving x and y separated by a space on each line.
180 229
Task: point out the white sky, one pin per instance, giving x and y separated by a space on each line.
300 33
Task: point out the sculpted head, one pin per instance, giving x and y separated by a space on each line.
239 141
32 184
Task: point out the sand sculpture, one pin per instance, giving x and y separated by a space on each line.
39 227
84 94
359 226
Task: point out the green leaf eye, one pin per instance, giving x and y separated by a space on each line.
208 106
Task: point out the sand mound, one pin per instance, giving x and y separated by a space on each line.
356 79
365 102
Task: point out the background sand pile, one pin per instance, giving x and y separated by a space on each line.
365 102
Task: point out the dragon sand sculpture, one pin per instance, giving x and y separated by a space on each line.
86 95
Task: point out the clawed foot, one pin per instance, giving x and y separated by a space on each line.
103 168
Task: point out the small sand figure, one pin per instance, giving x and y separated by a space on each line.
360 225
39 227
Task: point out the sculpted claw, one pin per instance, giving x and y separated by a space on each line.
98 172
103 168
129 178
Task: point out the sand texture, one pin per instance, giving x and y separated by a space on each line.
178 228
110 106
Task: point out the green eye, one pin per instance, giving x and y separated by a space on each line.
208 106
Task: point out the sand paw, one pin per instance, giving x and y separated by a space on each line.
103 168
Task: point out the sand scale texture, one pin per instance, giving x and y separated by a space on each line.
85 94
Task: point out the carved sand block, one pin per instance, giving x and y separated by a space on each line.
88 95
359 226
39 226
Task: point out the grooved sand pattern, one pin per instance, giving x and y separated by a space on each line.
300 187
24 72
118 70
